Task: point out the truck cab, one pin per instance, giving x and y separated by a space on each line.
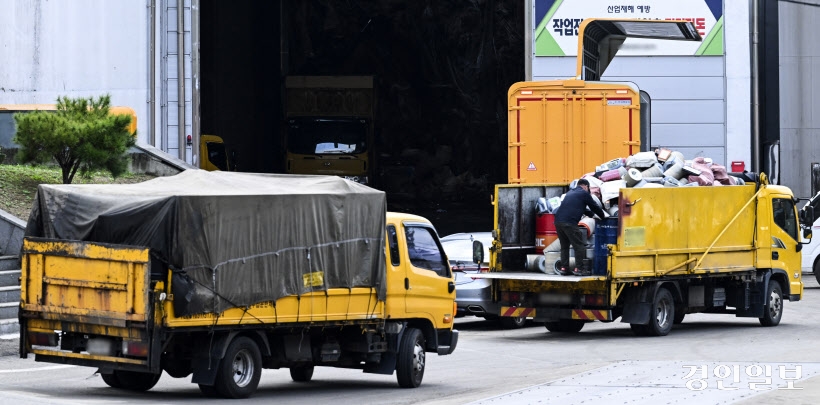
329 126
213 154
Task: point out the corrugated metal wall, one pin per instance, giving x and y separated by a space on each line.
688 97
77 48
799 94
701 105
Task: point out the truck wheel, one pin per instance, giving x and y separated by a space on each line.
301 374
816 269
131 380
508 322
177 368
565 325
663 314
679 315
111 380
773 310
239 371
411 359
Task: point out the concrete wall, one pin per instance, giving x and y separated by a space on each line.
11 234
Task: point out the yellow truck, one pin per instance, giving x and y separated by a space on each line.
218 275
671 250
213 154
330 126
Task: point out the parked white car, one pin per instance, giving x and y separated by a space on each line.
811 252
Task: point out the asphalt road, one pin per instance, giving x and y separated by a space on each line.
604 364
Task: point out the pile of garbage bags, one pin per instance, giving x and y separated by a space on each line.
659 168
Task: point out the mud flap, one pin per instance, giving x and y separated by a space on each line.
387 364
751 301
637 312
206 362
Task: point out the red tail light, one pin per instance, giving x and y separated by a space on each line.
510 297
134 348
43 338
594 300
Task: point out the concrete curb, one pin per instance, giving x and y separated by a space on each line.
9 345
11 234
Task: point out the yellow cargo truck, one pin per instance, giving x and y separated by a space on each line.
213 154
671 251
218 275
330 126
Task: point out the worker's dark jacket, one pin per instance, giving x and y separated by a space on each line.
574 204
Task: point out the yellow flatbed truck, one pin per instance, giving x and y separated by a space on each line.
218 275
673 251
732 249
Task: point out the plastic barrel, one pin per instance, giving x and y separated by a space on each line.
606 233
545 232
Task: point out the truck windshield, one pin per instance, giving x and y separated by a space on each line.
327 136
217 155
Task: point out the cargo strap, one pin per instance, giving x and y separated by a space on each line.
697 265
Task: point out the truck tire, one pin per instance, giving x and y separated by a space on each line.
663 314
680 313
508 322
301 374
565 326
239 371
111 380
816 269
679 318
131 380
773 310
411 359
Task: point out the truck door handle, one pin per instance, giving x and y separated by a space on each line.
775 255
451 286
406 283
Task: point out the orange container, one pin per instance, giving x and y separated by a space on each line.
545 232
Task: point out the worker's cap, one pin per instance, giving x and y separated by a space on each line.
583 182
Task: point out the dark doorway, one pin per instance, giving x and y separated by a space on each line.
442 71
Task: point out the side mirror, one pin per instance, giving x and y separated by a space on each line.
478 252
807 215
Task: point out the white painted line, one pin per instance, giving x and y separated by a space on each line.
26 370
